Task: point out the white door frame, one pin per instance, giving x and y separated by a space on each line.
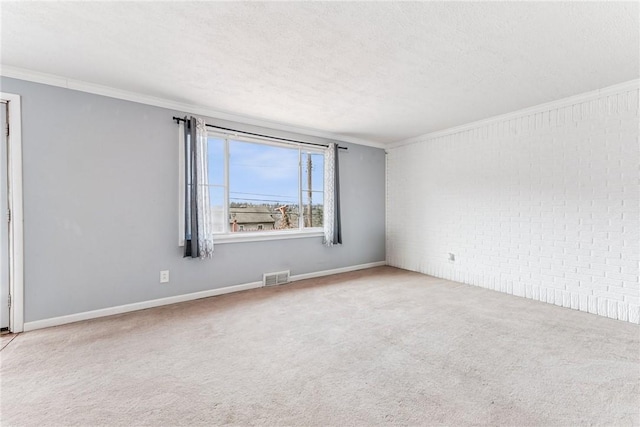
16 234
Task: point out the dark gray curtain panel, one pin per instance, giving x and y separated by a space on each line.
336 237
191 183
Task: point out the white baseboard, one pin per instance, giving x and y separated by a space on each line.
119 309
336 271
110 311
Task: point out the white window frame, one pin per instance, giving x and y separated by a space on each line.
230 237
15 198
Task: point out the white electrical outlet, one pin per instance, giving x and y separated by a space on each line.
452 257
164 276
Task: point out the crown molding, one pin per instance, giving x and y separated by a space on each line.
96 89
560 103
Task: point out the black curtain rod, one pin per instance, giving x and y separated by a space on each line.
180 119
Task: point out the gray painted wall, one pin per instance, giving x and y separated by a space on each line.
100 208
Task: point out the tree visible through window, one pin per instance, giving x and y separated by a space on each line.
264 187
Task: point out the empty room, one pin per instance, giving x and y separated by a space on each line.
319 213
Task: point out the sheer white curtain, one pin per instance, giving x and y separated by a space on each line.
204 215
332 222
198 236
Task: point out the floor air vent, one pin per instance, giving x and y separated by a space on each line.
272 279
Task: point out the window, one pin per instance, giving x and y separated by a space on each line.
264 187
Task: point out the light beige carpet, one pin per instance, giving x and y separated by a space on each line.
380 346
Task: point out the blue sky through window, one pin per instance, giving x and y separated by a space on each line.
263 174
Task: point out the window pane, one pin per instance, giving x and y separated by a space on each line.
312 209
312 188
263 187
216 199
317 171
287 217
216 161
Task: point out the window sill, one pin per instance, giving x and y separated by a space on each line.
256 236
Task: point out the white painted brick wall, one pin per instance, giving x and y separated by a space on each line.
543 205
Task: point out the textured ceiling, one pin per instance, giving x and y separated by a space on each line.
381 71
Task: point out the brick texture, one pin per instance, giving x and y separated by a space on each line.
543 206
